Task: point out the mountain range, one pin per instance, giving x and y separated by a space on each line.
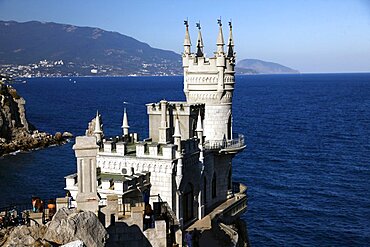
82 47
51 49
256 66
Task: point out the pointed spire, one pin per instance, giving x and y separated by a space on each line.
199 123
177 128
125 125
187 42
220 38
199 42
97 129
230 52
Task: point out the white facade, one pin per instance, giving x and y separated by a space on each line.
187 158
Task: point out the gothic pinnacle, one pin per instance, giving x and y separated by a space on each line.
230 52
199 42
125 125
220 38
177 128
199 123
187 42
97 129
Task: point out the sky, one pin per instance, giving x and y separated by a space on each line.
308 35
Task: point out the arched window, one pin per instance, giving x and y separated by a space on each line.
214 186
188 203
229 128
204 190
229 181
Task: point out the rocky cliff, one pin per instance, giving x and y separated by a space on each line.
16 133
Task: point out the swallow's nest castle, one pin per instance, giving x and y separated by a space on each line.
183 170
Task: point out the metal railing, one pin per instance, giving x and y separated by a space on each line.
234 143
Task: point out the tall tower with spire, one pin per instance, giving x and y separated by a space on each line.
211 81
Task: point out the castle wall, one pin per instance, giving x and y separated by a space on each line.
160 172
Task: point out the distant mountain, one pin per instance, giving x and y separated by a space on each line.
255 66
82 48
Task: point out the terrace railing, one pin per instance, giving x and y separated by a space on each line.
236 143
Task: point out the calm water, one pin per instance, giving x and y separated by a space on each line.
307 163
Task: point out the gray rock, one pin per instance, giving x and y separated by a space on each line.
25 236
69 225
77 243
67 135
58 136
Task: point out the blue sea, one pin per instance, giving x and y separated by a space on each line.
307 162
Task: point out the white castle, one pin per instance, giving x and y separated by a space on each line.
183 169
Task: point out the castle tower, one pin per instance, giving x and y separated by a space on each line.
211 81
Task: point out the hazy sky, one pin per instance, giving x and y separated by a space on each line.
311 36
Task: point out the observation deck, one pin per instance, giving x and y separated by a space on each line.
232 146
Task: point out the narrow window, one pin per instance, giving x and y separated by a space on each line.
204 190
229 182
214 186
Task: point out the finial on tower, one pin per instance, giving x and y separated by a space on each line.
177 128
220 39
187 42
219 22
199 41
230 52
125 125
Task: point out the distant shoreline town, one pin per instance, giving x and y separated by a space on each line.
47 68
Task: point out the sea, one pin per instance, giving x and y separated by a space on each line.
306 165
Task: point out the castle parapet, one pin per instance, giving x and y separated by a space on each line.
155 150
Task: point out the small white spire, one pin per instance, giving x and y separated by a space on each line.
220 38
125 125
177 128
187 42
199 124
97 129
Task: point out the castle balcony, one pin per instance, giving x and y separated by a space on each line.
233 146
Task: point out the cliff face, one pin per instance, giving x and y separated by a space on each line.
16 133
12 113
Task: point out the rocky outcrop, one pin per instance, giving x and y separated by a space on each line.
68 227
16 133
25 236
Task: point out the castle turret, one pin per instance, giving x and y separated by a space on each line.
125 127
211 81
